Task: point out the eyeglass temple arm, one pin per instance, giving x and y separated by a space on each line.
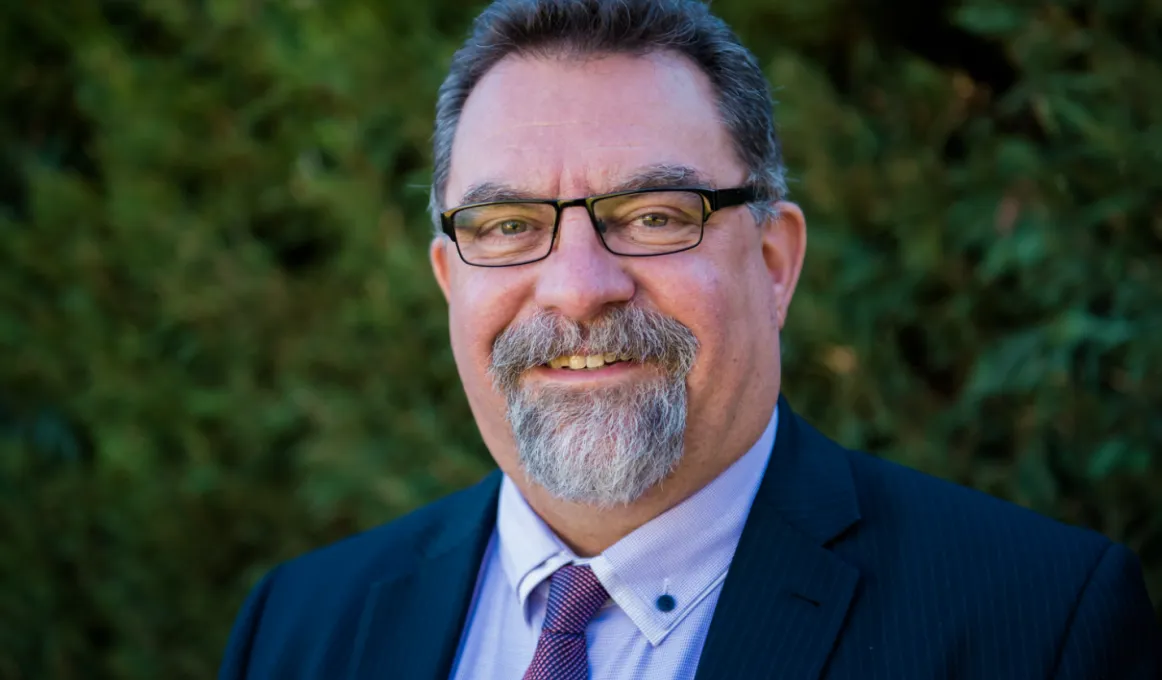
727 198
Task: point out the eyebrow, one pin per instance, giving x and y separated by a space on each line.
660 176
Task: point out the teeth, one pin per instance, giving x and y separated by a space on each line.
581 361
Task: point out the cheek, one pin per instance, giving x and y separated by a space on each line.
720 296
481 305
705 297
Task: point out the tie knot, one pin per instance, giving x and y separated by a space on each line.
575 595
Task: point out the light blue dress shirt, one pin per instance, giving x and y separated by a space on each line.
663 580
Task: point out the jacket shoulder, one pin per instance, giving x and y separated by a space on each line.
372 554
989 586
937 511
300 621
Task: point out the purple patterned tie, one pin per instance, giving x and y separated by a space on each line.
575 595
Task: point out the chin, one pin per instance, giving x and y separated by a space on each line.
602 446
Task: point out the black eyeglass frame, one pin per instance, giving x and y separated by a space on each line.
712 201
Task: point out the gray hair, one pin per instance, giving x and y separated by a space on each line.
587 27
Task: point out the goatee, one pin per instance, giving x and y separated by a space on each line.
597 446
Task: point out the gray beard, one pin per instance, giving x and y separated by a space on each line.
605 446
600 447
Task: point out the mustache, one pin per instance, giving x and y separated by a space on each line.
644 335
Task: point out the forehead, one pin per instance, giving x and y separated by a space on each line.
563 127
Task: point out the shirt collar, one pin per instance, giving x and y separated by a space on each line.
529 550
683 553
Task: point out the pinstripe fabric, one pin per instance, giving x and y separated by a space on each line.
848 567
944 582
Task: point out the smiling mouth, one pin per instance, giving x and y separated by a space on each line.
586 362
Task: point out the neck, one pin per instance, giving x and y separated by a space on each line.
588 530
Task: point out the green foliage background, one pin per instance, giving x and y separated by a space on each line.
221 346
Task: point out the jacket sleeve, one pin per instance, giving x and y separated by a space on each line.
1113 633
236 660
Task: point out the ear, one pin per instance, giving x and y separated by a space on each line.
438 254
784 237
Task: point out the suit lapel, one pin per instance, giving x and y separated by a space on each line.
412 620
780 610
786 595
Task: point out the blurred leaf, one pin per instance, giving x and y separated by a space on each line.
218 325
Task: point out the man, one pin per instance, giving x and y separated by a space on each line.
618 260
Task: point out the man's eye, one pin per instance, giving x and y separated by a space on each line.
654 220
513 227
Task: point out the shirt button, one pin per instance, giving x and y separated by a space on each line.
666 603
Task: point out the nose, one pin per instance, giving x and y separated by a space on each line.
580 278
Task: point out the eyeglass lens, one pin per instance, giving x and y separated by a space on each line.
645 223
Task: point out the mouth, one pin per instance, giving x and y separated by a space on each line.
586 362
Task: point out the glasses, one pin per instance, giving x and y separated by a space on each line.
642 223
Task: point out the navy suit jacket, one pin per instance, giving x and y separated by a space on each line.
848 567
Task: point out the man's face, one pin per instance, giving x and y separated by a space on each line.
564 128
